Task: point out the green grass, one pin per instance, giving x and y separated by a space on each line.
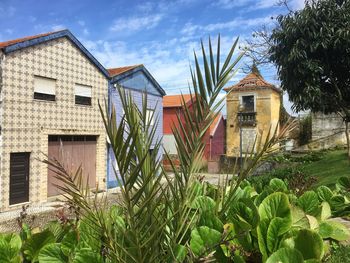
340 255
334 164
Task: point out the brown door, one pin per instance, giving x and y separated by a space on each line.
19 178
72 152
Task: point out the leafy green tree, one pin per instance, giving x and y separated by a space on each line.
311 49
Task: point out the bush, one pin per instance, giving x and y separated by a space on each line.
305 132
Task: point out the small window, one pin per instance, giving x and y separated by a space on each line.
44 88
82 94
150 117
248 103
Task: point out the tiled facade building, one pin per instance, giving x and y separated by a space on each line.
50 86
138 81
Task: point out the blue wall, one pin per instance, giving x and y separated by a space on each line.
137 84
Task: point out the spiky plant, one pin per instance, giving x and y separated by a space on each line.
156 215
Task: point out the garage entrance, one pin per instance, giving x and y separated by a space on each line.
72 151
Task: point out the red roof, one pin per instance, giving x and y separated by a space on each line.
19 40
252 80
116 71
215 124
175 100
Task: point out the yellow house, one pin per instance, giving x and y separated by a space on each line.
253 106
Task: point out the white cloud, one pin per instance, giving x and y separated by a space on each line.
228 4
57 27
86 31
7 11
9 31
136 23
32 19
297 4
81 22
191 29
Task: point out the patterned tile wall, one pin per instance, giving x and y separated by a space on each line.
26 123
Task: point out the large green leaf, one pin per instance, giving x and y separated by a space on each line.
310 244
324 193
10 245
87 255
277 227
309 203
277 185
343 183
203 204
57 229
286 255
36 242
180 253
299 219
325 211
262 234
52 253
69 242
244 214
275 205
203 238
334 230
210 220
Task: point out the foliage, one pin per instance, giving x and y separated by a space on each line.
305 130
310 50
339 255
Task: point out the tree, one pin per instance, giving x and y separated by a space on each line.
311 49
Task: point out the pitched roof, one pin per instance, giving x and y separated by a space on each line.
116 71
19 40
251 81
20 43
172 101
118 74
215 124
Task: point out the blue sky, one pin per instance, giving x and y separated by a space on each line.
159 34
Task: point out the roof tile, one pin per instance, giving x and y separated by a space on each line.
19 40
175 100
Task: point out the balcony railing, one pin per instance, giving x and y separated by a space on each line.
246 118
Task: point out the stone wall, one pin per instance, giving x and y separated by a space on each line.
327 131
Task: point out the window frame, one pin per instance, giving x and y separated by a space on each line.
40 96
247 95
82 100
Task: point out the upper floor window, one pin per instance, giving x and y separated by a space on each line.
83 94
44 88
248 103
150 117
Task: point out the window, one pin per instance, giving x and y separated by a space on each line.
44 88
248 103
82 94
150 117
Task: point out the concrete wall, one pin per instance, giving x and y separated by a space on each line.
327 131
153 102
28 122
267 104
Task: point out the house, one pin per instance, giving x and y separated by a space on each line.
50 87
253 107
214 139
138 81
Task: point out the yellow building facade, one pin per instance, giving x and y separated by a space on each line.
253 105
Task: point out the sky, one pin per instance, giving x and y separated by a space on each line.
161 34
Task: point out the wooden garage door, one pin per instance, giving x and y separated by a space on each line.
72 151
19 178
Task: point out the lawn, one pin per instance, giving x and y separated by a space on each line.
333 165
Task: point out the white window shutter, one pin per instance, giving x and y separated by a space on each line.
44 85
83 90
